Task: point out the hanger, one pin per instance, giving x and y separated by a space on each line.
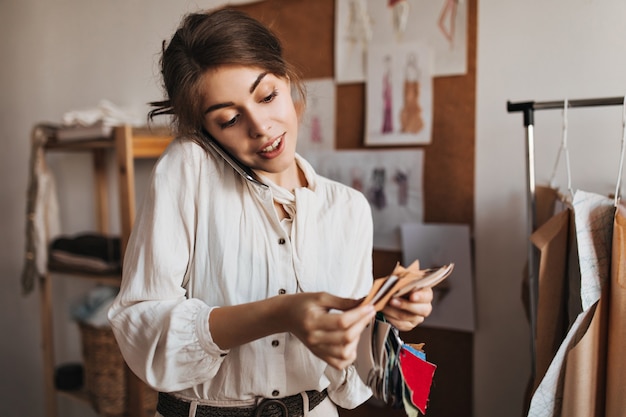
621 158
563 149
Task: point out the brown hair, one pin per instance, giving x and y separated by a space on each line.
207 40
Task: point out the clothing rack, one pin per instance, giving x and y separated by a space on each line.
528 108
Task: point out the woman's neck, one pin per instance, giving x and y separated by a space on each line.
290 179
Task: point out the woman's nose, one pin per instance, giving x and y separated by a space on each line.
260 126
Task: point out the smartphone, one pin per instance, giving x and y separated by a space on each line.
242 169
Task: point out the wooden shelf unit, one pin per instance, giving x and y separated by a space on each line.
128 144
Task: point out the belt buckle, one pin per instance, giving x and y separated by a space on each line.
282 408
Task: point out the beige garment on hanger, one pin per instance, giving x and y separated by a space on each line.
586 363
571 383
585 367
545 204
616 358
551 239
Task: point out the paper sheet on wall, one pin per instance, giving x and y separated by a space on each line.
440 23
316 130
440 244
392 181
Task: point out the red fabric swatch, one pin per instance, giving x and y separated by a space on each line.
418 376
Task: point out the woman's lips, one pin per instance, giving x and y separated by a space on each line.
274 148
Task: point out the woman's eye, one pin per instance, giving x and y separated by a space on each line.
270 97
229 123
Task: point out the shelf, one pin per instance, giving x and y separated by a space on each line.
80 145
146 142
127 144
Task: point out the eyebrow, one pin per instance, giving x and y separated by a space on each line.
253 87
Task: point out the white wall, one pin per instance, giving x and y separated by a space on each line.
534 50
60 55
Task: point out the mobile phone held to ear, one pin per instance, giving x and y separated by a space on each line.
242 169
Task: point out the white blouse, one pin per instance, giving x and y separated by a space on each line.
206 237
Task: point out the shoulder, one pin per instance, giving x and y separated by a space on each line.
184 164
183 148
184 154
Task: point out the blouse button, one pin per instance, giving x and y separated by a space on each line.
275 393
282 291
275 343
281 241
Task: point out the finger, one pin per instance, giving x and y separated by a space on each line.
335 326
411 315
353 316
423 295
406 307
338 356
333 302
402 321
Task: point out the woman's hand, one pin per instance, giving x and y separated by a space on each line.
407 312
331 335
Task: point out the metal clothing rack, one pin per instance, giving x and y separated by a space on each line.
528 108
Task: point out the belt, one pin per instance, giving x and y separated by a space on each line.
170 406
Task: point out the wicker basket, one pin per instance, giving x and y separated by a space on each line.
105 373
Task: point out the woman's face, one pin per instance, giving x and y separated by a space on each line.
250 112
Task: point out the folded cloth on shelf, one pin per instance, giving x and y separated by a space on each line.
106 113
88 252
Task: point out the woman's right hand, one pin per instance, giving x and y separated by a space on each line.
328 325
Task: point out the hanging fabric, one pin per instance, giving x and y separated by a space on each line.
42 211
616 372
564 381
551 239
587 377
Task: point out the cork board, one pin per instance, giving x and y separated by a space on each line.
306 29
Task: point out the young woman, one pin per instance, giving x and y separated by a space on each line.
243 274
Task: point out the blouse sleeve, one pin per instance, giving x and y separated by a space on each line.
163 335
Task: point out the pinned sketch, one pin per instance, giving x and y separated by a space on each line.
440 244
316 131
441 24
392 181
353 32
399 95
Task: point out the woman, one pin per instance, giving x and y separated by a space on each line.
243 273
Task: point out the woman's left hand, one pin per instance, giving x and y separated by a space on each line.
407 312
